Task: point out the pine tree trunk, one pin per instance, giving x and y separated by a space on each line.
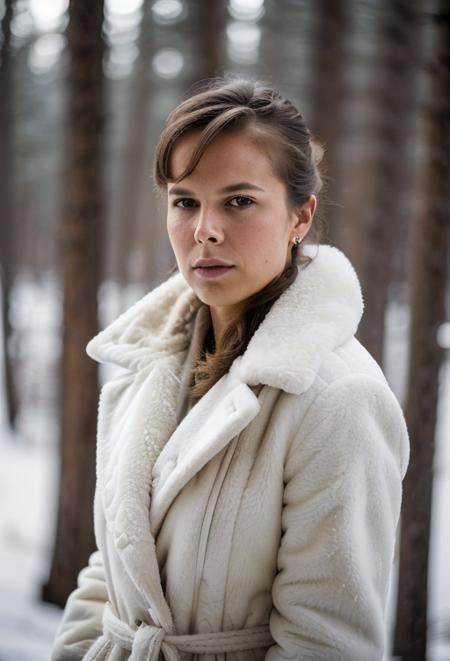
328 105
429 273
7 207
212 22
81 243
139 102
393 81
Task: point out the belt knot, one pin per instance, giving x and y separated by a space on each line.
148 643
145 643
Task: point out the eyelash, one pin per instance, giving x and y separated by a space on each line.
236 197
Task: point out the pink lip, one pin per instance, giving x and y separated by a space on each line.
212 271
209 261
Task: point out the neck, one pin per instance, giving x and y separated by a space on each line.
222 317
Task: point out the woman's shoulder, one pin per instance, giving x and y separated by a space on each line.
351 357
351 405
348 363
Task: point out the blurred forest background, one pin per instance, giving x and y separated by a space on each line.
85 88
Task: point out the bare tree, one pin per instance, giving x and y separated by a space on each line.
386 211
212 18
428 278
6 187
81 249
328 99
137 114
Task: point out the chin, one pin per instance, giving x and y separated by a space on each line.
216 298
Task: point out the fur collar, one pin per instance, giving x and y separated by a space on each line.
319 312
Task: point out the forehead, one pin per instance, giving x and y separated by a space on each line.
242 152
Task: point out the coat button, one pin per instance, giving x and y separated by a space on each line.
122 541
230 407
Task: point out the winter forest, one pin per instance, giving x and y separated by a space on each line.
85 89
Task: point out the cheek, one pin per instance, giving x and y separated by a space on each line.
179 235
268 244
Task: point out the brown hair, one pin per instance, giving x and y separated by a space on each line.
229 104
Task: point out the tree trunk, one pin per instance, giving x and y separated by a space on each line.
137 115
328 105
81 243
7 207
428 277
394 87
212 20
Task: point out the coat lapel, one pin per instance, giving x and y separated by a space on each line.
134 424
145 456
220 415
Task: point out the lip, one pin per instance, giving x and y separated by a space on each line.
212 271
206 262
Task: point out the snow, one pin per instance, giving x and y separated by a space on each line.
29 466
27 478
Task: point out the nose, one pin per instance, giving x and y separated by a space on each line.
208 228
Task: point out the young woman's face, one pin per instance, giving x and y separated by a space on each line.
231 208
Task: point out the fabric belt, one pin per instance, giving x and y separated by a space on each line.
148 641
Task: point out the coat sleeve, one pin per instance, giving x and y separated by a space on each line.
81 622
342 497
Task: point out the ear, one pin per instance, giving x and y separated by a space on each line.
303 217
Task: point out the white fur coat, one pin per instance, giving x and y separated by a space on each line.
254 527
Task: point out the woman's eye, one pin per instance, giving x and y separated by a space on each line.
176 203
247 200
188 203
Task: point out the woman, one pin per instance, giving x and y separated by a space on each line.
250 459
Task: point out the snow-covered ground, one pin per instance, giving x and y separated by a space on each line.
29 471
27 485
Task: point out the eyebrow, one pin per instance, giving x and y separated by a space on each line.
242 185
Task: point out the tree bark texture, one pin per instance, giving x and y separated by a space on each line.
428 279
394 89
81 250
7 261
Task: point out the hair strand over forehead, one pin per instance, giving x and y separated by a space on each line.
245 104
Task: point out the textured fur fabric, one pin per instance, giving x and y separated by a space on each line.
277 511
